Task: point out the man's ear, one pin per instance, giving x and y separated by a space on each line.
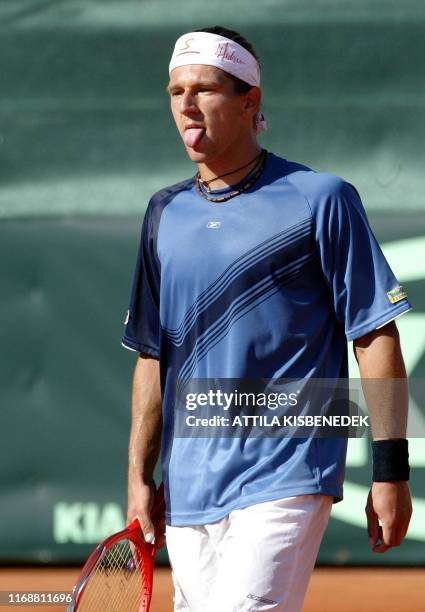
252 100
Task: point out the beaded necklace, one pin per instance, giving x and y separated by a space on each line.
244 185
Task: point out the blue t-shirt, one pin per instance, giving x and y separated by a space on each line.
269 284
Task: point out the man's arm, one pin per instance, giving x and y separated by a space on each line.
379 357
144 446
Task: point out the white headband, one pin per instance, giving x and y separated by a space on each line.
214 50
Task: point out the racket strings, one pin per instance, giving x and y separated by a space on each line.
109 590
119 581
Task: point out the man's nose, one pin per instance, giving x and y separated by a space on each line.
188 103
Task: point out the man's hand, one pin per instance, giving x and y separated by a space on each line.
141 500
389 503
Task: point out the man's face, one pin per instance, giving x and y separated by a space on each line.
209 114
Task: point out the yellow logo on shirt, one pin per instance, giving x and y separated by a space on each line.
396 294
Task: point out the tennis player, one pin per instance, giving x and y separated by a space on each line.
255 268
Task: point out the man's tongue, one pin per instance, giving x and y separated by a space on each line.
192 136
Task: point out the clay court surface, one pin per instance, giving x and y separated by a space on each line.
331 589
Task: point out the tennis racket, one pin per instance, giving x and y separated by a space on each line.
118 575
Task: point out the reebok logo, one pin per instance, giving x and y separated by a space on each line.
262 599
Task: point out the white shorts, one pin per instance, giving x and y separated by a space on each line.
256 558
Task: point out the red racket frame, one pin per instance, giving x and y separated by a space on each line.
145 551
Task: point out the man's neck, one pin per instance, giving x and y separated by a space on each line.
230 162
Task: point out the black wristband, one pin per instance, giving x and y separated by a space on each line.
390 460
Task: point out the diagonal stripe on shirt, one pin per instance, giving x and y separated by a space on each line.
238 308
290 237
239 294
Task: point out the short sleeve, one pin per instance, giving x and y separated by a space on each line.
366 294
142 330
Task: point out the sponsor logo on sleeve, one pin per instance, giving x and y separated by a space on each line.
396 294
